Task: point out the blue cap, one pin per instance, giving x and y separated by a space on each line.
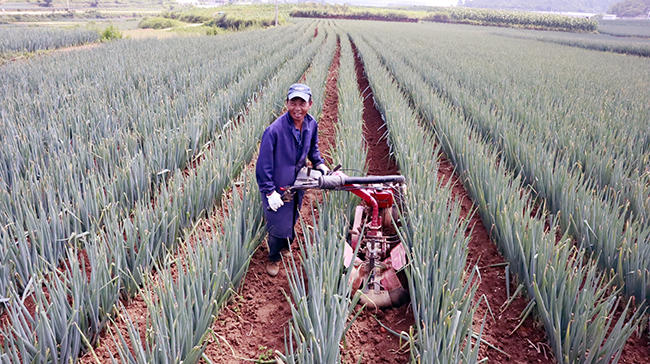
299 90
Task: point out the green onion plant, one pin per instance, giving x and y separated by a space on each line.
575 330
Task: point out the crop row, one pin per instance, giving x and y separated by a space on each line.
172 303
594 124
126 248
639 28
81 143
585 153
29 39
521 19
474 16
185 297
440 288
571 297
598 42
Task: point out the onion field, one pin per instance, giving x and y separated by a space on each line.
14 40
115 158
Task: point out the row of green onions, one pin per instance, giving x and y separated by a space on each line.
575 302
210 275
441 289
587 155
127 248
96 175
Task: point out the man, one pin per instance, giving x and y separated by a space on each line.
286 145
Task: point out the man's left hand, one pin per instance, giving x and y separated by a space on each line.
323 168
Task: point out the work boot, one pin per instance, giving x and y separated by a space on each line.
272 268
285 253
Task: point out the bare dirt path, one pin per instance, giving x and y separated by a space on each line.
380 161
367 339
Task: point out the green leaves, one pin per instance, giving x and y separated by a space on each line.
573 297
182 306
441 292
109 168
322 298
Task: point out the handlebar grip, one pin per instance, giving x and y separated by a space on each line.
330 182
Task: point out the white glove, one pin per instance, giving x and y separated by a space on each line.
275 201
323 168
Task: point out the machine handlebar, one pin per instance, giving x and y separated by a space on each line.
374 179
334 181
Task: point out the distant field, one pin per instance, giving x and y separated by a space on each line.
233 17
599 42
158 20
86 3
17 41
449 14
625 28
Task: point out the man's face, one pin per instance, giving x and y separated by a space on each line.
298 108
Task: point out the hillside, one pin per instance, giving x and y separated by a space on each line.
631 8
587 6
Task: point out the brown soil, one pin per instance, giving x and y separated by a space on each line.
77 47
256 321
330 114
636 350
379 161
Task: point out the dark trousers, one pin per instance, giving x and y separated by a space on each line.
275 246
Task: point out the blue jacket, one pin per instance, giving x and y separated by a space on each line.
284 150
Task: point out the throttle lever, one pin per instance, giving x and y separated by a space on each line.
287 194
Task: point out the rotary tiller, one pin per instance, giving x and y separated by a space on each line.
378 265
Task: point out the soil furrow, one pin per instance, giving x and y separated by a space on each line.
380 161
367 339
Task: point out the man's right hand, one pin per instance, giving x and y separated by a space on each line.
275 201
